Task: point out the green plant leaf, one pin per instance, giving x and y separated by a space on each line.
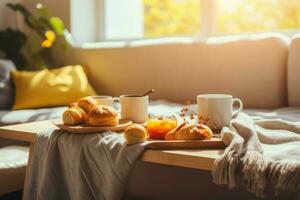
45 23
57 25
20 8
11 42
26 51
26 14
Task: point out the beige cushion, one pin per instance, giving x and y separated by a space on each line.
294 72
13 161
8 117
252 68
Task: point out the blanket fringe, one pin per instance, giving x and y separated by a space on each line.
224 169
256 174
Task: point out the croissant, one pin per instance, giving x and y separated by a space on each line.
72 104
74 115
190 132
101 115
87 103
135 134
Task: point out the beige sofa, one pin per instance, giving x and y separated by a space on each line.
263 70
253 68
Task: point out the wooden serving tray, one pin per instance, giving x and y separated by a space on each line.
84 128
214 143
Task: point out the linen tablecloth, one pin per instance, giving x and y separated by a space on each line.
78 166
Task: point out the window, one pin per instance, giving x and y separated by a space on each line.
102 20
171 17
235 16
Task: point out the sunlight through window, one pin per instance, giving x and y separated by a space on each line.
234 16
171 17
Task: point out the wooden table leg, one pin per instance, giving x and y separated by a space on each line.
28 171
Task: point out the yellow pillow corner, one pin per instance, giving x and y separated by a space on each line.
49 88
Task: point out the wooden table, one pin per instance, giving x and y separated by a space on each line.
197 159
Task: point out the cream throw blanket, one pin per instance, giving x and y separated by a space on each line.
261 155
80 166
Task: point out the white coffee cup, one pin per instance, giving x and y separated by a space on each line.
105 100
216 110
134 107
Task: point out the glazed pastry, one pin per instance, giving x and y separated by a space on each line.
104 116
171 134
135 134
190 132
74 116
87 103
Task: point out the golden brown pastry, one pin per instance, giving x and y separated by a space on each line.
72 104
190 132
135 134
104 116
74 116
171 134
87 103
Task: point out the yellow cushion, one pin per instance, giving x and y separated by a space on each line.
48 88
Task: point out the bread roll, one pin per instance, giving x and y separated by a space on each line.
74 116
104 116
72 104
190 132
87 103
135 134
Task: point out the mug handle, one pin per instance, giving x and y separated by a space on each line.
116 99
237 100
118 107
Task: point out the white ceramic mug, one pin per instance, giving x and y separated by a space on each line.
216 110
105 100
134 108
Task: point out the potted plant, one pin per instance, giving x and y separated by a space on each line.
33 50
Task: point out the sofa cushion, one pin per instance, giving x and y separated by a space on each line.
50 88
158 107
8 117
8 142
293 73
286 113
13 162
6 86
252 68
